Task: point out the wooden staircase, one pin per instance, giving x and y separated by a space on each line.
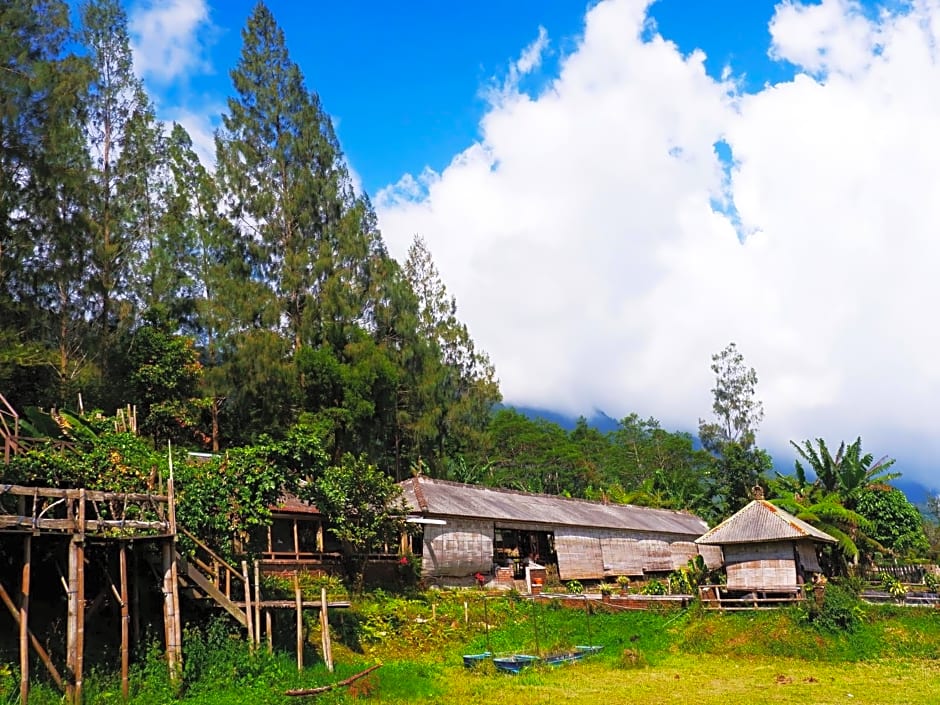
206 575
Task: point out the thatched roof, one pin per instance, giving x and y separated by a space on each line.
759 522
439 498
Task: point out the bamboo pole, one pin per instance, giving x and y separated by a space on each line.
249 621
170 615
257 604
300 623
75 629
269 630
174 646
325 631
302 692
125 624
37 647
24 619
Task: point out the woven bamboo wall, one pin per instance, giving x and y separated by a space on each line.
682 552
579 553
760 565
459 548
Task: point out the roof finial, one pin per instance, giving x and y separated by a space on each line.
757 492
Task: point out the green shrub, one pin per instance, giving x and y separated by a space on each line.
892 585
841 610
574 587
654 587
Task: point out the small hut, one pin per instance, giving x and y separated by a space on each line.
766 550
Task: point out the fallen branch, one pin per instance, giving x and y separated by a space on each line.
338 684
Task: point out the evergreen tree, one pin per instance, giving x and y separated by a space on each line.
731 438
42 186
287 190
125 146
456 387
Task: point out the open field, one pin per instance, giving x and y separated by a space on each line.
700 680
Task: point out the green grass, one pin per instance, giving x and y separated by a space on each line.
889 654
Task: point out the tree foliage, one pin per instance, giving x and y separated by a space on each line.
731 438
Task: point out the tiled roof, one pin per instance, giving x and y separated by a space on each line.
441 498
761 521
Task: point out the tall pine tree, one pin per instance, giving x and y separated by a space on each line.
43 230
126 143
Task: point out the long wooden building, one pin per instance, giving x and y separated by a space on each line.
469 529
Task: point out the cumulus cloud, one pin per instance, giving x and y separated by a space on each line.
601 250
168 38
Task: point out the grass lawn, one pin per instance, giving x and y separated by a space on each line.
699 680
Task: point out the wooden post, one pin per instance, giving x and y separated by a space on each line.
269 630
125 623
300 624
24 619
296 542
171 616
171 613
75 628
257 604
250 623
325 632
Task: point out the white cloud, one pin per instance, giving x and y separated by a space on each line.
168 38
580 237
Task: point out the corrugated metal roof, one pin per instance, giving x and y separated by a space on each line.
289 503
761 521
442 498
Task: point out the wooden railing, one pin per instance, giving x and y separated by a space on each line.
227 579
719 597
81 511
8 418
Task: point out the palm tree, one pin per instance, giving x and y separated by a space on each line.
830 501
849 473
858 473
812 503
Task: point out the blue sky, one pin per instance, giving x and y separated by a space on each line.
405 81
614 191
